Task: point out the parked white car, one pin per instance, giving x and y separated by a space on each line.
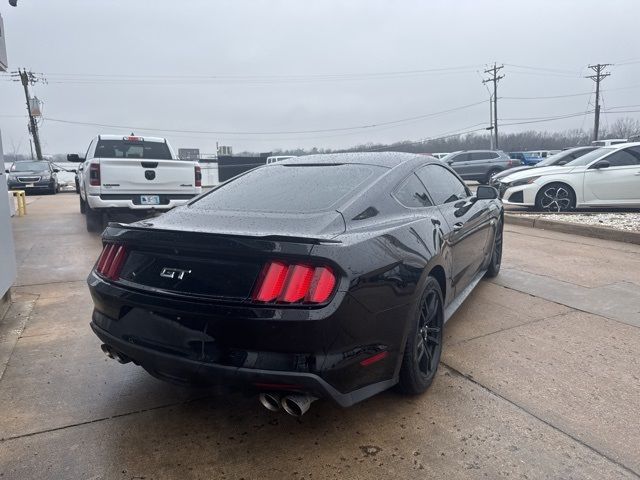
133 174
606 177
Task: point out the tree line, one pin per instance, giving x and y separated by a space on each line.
509 142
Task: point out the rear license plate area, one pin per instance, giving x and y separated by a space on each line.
149 200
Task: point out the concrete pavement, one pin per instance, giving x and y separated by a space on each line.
540 379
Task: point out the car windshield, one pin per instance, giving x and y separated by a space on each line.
554 159
587 158
290 188
30 167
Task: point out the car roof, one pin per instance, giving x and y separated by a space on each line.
120 137
381 159
619 146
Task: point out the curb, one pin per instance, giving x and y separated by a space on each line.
603 233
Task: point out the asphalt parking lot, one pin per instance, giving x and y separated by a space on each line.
540 378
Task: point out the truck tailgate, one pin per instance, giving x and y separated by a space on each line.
125 175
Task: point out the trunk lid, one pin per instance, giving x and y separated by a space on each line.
210 256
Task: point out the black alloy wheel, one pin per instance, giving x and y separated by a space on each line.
496 254
556 197
424 344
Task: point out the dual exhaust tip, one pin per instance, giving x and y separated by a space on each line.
295 404
114 354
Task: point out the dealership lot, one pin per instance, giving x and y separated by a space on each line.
540 378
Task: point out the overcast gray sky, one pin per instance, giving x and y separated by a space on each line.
294 66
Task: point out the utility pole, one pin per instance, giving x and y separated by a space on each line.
495 78
600 75
27 78
31 148
491 142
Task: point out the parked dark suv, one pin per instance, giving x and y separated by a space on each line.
479 165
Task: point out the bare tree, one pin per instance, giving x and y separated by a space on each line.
624 128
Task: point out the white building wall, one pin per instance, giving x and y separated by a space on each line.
7 251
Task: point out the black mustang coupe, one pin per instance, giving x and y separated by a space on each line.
319 276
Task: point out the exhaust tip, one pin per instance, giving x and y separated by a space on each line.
270 401
297 405
117 356
107 350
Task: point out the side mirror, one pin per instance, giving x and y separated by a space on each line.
56 170
602 164
75 158
6 170
73 170
485 192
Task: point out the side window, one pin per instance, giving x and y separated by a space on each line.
442 185
462 157
475 156
484 155
411 193
623 158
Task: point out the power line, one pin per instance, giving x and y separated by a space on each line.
637 85
290 132
459 132
548 119
530 67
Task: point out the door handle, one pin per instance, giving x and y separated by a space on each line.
457 226
637 173
435 221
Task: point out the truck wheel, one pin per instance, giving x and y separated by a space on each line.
94 220
83 205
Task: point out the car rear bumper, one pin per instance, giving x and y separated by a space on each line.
132 201
177 370
318 351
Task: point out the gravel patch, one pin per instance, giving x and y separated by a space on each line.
619 221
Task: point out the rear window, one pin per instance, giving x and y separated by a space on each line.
290 188
126 149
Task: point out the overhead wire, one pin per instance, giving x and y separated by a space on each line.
280 132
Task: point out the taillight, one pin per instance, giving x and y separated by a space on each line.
280 282
111 261
94 175
198 176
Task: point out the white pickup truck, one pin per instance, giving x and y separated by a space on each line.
133 174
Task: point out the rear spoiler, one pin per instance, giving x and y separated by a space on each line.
273 238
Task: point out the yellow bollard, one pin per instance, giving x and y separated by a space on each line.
22 204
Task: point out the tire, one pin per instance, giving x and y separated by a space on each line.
424 342
83 205
496 254
94 220
491 173
53 190
556 197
